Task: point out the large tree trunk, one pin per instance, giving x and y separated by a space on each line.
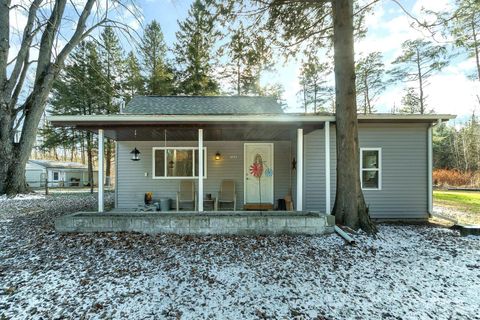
6 144
14 155
350 208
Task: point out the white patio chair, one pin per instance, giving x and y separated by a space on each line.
227 194
186 194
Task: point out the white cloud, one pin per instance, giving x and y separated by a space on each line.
453 93
449 91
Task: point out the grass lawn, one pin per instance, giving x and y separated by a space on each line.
465 203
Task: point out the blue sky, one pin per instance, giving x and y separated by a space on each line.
449 92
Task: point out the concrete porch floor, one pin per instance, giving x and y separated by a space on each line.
199 223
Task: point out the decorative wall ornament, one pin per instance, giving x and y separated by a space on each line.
258 169
269 172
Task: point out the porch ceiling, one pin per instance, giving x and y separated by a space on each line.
245 132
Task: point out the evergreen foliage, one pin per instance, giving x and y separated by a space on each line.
419 60
153 50
316 92
370 71
194 51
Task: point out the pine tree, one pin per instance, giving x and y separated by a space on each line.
193 51
113 81
249 57
463 25
370 71
158 75
316 91
134 81
77 91
420 59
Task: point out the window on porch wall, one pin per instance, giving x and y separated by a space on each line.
171 162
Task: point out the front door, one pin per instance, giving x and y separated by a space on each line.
259 173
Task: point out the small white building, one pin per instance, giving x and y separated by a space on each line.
58 174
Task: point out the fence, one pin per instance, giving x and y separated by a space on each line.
60 184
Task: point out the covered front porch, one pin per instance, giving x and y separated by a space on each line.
172 149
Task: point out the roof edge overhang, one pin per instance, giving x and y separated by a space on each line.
295 119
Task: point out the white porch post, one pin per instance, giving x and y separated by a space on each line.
200 170
430 174
100 170
299 169
327 167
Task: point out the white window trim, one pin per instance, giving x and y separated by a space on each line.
53 176
194 176
379 169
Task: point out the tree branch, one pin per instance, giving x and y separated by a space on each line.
28 35
79 33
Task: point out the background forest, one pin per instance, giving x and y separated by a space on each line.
211 57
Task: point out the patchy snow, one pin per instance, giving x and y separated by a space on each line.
408 272
36 205
28 196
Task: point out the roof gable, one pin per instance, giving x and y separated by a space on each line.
205 105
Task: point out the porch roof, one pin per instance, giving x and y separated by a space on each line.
221 127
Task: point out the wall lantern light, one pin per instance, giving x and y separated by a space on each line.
218 156
135 154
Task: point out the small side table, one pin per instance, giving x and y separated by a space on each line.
209 204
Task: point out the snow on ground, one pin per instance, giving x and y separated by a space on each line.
408 272
50 206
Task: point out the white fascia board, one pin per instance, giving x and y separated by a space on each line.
191 118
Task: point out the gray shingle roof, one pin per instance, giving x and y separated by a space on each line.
185 105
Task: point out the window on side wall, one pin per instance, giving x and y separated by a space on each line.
177 163
56 175
371 168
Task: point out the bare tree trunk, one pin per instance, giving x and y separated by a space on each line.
305 97
90 160
82 147
350 208
14 155
420 83
108 161
238 77
475 43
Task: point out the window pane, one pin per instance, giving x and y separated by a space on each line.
370 179
55 176
204 162
179 163
370 159
159 163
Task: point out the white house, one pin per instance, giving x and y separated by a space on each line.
58 174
